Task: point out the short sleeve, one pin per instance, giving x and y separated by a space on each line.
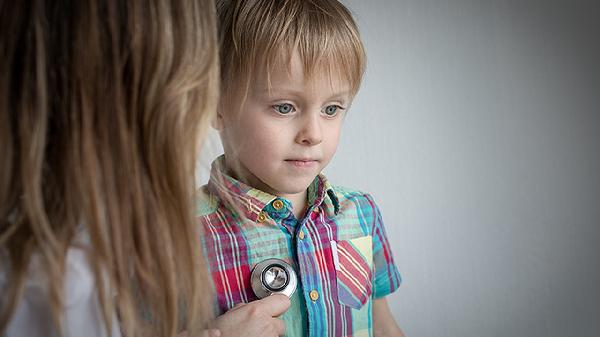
386 278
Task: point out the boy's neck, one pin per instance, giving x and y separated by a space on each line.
299 200
299 203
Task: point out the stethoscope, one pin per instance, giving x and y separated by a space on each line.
273 276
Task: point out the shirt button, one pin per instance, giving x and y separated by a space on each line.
277 204
262 217
314 295
301 235
316 210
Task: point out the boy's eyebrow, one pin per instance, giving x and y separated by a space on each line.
338 95
342 94
268 90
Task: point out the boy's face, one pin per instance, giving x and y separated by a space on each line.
282 138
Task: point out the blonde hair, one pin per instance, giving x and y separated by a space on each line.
102 104
256 35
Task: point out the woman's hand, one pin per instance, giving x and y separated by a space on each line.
258 318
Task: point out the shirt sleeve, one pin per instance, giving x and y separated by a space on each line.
82 314
386 278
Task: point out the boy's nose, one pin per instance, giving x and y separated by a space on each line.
310 131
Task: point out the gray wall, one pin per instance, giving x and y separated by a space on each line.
477 130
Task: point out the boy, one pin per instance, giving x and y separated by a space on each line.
290 70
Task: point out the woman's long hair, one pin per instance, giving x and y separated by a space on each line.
102 106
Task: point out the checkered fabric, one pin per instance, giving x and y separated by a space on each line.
339 251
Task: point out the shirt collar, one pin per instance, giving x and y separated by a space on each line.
320 189
251 202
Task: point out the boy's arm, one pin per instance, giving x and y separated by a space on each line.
384 324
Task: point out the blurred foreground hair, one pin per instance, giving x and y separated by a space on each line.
102 106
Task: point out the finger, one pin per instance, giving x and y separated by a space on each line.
206 333
237 306
280 327
214 333
274 305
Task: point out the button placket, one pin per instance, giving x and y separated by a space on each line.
278 204
314 295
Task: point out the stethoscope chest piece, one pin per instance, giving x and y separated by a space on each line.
273 276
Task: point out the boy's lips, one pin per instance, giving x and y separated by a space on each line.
302 163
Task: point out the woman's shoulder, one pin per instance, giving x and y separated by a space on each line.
82 315
79 279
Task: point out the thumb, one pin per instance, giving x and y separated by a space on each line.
274 305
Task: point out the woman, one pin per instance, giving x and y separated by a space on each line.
102 106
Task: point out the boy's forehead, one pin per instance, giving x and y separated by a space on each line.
291 71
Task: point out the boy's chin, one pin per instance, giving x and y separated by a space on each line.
294 188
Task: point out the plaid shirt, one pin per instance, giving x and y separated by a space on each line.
339 251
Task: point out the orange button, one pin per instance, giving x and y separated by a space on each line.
277 204
301 235
314 295
262 217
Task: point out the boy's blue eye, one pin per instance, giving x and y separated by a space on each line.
284 108
331 110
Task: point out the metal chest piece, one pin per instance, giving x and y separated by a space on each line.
273 276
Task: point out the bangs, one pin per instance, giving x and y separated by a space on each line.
264 34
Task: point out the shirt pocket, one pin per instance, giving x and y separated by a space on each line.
353 260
